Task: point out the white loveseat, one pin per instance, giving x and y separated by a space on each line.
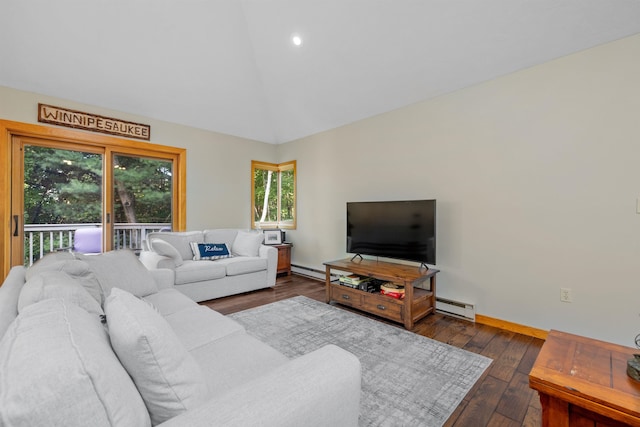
101 341
252 265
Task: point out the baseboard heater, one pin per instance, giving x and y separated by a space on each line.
309 272
458 309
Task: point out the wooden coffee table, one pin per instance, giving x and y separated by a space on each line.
584 382
417 303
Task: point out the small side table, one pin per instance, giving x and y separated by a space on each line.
284 258
584 382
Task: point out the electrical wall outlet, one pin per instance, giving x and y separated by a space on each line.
566 295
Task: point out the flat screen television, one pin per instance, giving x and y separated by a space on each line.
403 230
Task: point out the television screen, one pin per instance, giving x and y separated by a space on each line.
394 229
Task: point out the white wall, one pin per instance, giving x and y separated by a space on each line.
218 166
536 176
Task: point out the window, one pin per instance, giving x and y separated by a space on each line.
273 195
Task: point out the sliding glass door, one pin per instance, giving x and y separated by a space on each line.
87 198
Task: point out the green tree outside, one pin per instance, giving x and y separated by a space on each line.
65 187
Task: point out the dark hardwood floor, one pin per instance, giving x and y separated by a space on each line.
502 396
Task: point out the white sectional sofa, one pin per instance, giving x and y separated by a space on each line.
251 266
102 341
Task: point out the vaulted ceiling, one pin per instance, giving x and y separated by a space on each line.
230 66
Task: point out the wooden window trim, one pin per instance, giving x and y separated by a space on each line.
275 167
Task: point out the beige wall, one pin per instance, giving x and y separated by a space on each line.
536 176
218 166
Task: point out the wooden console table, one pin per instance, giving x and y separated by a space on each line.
416 304
584 382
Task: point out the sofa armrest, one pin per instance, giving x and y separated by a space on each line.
271 254
319 389
164 277
153 260
9 294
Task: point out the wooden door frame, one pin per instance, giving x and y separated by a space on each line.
9 129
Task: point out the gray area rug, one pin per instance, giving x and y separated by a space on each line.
407 379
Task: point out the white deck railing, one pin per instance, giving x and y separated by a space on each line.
41 239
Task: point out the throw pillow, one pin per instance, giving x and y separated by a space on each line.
209 251
51 261
247 243
165 248
121 269
168 378
179 240
57 284
77 269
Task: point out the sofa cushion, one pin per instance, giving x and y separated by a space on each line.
169 301
164 278
196 271
209 326
121 269
179 240
209 251
247 243
165 248
57 368
57 284
166 375
244 265
239 358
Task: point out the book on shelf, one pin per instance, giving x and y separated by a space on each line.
353 279
392 290
350 285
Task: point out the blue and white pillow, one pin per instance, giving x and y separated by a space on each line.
209 251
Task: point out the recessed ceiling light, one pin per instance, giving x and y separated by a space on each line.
296 39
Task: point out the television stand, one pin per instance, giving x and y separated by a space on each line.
417 302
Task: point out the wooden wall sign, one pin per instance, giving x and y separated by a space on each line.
79 120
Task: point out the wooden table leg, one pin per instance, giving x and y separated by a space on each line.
408 305
555 412
328 284
433 296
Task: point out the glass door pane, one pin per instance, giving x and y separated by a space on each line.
142 198
287 195
62 195
265 196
